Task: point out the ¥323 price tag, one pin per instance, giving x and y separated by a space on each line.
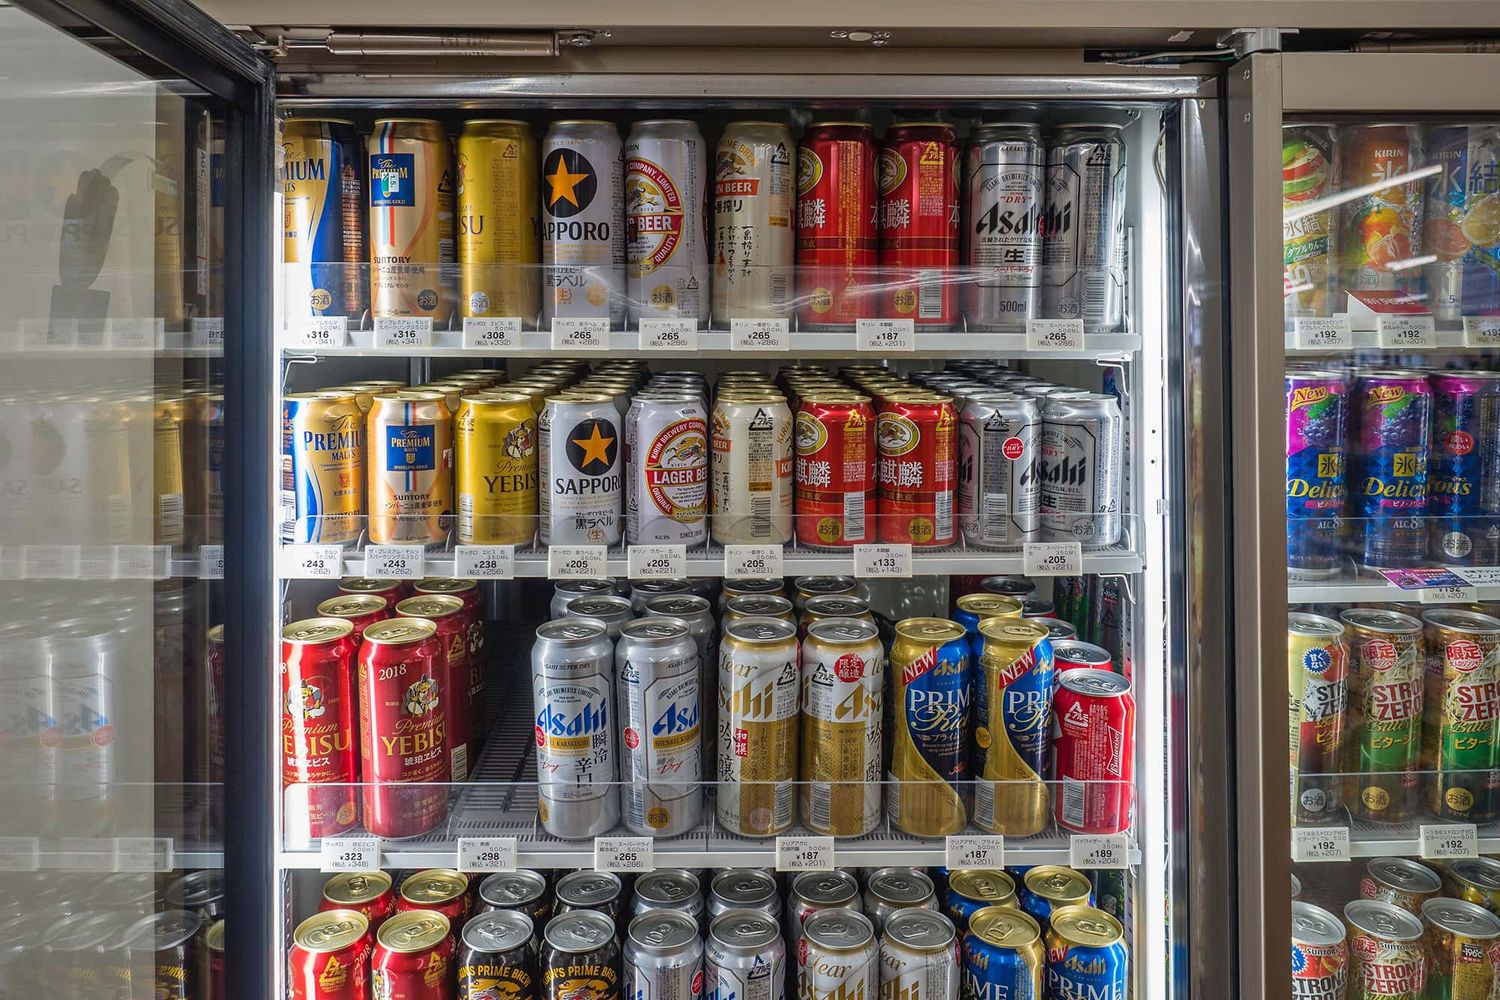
1054 334
759 335
804 854
1107 850
1320 843
1405 330
885 336
656 562
623 854
1449 840
1052 559
975 851
882 560
1322 333
312 562
492 333
669 336
398 332
576 562
484 562
486 854
394 562
350 854
757 562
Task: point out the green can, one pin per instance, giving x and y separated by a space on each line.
1461 714
1385 695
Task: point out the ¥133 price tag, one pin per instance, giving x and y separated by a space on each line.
1052 559
312 562
656 562
484 562
758 562
1405 330
492 333
486 854
804 854
1106 850
669 336
885 336
1449 840
394 562
975 851
882 560
1322 333
320 331
577 562
398 332
1320 843
623 854
759 335
580 334
350 854
1054 334
1482 331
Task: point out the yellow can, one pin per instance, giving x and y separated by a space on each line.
499 221
412 264
495 436
410 464
322 467
1016 663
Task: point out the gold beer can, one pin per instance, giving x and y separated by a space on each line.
410 462
843 686
743 606
930 695
499 221
495 437
1016 663
758 700
412 263
168 506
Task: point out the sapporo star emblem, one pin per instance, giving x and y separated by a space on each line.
564 183
595 447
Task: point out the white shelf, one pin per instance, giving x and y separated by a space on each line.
1380 840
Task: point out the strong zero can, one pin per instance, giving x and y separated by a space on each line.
745 958
754 188
1082 457
572 678
579 465
583 226
666 168
659 697
666 458
1003 207
999 470
1083 243
663 957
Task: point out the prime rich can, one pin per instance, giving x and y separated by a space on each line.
1083 239
751 468
837 957
663 957
1093 751
1004 205
744 957
666 463
838 243
359 610
323 213
1309 233
322 468
330 957
666 249
402 726
1082 469
582 476
758 715
835 470
499 222
573 679
890 890
413 266
918 170
1462 942
1392 422
1463 471
843 689
1380 232
973 889
1086 954
590 890
1317 416
410 468
744 889
1318 703
1461 715
999 470
917 444
674 889
583 222
1320 953
318 726
919 956
413 956
1476 880
660 698
522 890
1462 222
496 958
460 717
1386 686
1019 678
1002 954
1386 954
1400 881
753 203
370 894
495 469
580 957
812 892
931 693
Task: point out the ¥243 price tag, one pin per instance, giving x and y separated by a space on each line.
1320 843
350 854
1054 335
1106 850
1052 559
656 562
576 562
1322 333
882 560
484 562
398 332
486 854
759 335
975 851
580 334
1405 330
804 854
623 854
394 562
669 336
1449 840
756 562
492 333
312 562
885 336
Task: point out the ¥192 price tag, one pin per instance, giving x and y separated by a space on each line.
492 333
1320 843
486 854
320 331
394 562
1054 334
1405 330
85 854
885 335
51 562
210 562
350 854
20 854
1052 559
143 562
656 562
580 333
1449 840
759 335
1105 850
1447 595
804 854
312 562
1322 333
484 562
398 332
756 562
136 334
882 560
207 332
669 335
623 854
143 854
577 562
975 851
1482 331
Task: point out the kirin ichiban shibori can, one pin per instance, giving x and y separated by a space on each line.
753 207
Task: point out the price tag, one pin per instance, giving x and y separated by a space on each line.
885 335
583 334
1320 843
1054 334
136 334
143 854
672 336
312 562
320 332
1405 331
975 851
1449 840
210 562
804 854
1052 559
1482 331
492 333
623 854
85 854
1480 576
143 562
402 332
758 562
20 854
577 562
350 854
882 560
1108 850
486 854
207 332
656 562
1322 333
1448 595
759 335
394 562
50 562
484 562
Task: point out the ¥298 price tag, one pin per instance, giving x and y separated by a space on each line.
1482 331
394 562
1320 843
1405 330
669 336
975 851
350 854
885 336
492 333
312 562
1054 334
623 854
759 335
1322 333
486 854
804 854
484 562
656 562
577 562
1052 559
1107 850
580 334
756 562
319 332
882 560
1449 840
398 332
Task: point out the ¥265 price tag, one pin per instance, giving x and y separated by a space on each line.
486 854
576 562
975 851
484 562
757 562
1322 333
669 335
1482 331
319 331
1405 330
882 560
623 854
885 335
759 335
1447 595
397 332
312 562
394 562
580 334
1107 850
492 333
1052 559
656 562
1449 840
350 854
804 854
1054 334
1320 843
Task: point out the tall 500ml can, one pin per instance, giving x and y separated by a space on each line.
918 464
1093 751
758 701
843 687
999 470
1317 412
573 680
413 268
317 725
754 191
498 223
1464 468
1318 667
1463 222
1381 232
930 695
666 169
1461 715
660 702
1016 669
402 727
410 467
666 462
1393 418
580 470
1309 236
323 213
1082 468
583 221
919 230
1083 241
838 243
751 468
461 718
835 473
1385 696
495 443
1004 206
322 468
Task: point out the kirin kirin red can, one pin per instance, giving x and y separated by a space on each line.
402 725
317 725
919 226
838 246
835 469
1093 751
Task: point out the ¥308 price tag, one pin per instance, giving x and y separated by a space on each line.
804 854
577 562
1052 559
312 562
492 333
1482 331
484 562
394 562
210 562
1449 840
757 562
350 854
1320 843
623 854
885 335
486 854
207 332
656 562
759 335
398 332
975 851
1107 850
1405 330
669 336
882 560
1054 334
1322 333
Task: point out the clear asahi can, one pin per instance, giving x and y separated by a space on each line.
663 957
666 249
583 222
1003 208
661 764
1082 459
580 468
744 957
666 462
999 482
918 957
755 182
1083 242
572 675
815 891
758 700
838 956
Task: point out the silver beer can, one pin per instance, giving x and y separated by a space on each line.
815 891
675 889
661 765
666 463
744 889
1083 241
744 958
695 612
733 587
888 890
755 180
663 957
589 890
609 610
1082 468
1003 208
572 681
643 592
564 591
751 469
580 467
918 957
583 222
838 957
999 471
666 249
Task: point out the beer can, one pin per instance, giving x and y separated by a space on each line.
1086 954
1318 668
609 610
318 711
590 890
843 687
698 615
1320 953
498 220
999 471
1460 715
744 889
931 694
583 222
1002 954
890 890
495 957
973 889
370 894
359 610
918 172
1019 680
468 592
580 957
495 469
1082 465
1003 209
1476 880
216 965
1400 881
460 717
917 470
323 215
663 957
835 471
581 476
1386 955
744 957
674 889
413 267
522 890
1059 631
1008 586
1083 240
1385 718
666 173
661 766
666 463
805 588
751 469
1462 222
1309 235
1462 940
754 183
410 468
440 890
733 587
413 951
1384 226
838 242
919 957
329 957
758 696
1093 751
812 892
322 468
392 591
572 671
837 957
825 606
564 591
402 727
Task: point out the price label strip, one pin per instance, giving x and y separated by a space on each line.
975 851
1107 850
350 854
577 562
394 562
403 332
486 854
885 336
484 562
1405 331
1052 559
892 561
1449 840
1053 335
669 336
1320 843
580 334
623 854
143 562
759 335
657 562
84 854
312 562
1482 331
51 562
804 854
1322 333
758 562
321 332
493 333
1448 595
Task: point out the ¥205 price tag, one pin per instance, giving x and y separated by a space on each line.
492 333
656 562
975 851
804 854
882 560
757 562
759 335
623 854
577 562
350 854
1320 843
885 336
394 562
319 332
1403 330
486 854
1449 840
398 332
1107 850
1482 331
1447 595
1054 334
669 336
484 562
1322 333
312 562
580 334
1052 559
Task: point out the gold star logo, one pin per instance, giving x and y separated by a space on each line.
563 183
595 447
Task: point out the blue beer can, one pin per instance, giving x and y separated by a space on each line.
1086 955
1051 887
971 890
1002 956
323 211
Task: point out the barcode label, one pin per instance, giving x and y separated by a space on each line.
779 285
466 515
760 515
822 806
458 757
854 517
1096 291
930 294
944 514
169 515
996 523
1072 802
984 804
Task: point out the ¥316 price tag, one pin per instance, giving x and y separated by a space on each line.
393 562
350 854
669 336
885 336
1107 850
975 851
1449 840
1322 333
398 332
577 562
312 562
1405 330
758 335
882 560
756 562
484 562
623 854
1052 559
1054 334
656 562
1320 843
319 331
486 854
804 854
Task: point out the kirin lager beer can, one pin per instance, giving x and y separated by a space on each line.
1320 953
412 261
666 462
663 957
402 726
1082 462
843 684
838 241
999 470
583 222
580 470
754 188
666 170
1003 209
919 957
498 221
758 699
323 210
919 224
322 468
410 436
929 761
1017 669
837 957
572 676
495 468
1083 241
661 765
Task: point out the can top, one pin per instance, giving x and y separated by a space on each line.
838 928
1481 873
1313 925
747 930
743 887
215 936
325 394
644 122
815 585
667 885
996 130
657 631
990 606
901 886
579 931
1313 626
411 396
1078 651
196 889
570 631
1008 586
920 124
836 606
1091 928
741 586
413 931
660 587
1380 620
678 606
330 930
1059 885
609 607
924 930
982 884
496 121
1058 630
408 121
1382 920
299 119
762 630
352 605
434 887
1095 683
508 889
444 585
316 631
430 606
845 124
498 931
498 398
578 588
353 888
366 584
1004 927
1457 916
835 888
843 631
1404 874
759 605
1013 631
581 121
1461 620
588 888
399 631
930 631
578 396
662 931
1070 127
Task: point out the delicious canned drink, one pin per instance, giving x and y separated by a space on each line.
590 890
522 890
495 957
1463 222
929 753
758 702
889 890
317 724
1385 698
1086 955
1082 459
498 222
564 591
580 957
393 591
1386 956
659 697
843 688
441 890
1003 209
666 462
744 889
971 890
412 262
460 717
826 606
835 472
572 671
838 242
1083 240
468 592
410 468
674 889
495 441
918 957
1460 715
805 588
1461 941
918 448
754 188
918 172
837 957
1476 880
402 727
1464 468
666 170
744 957
1384 227
1318 669
663 957
413 956
813 892
1317 411
330 957
1002 955
1019 679
370 894
323 208
582 479
611 611
1392 422
322 468
1400 881
1320 953
359 610
999 474
1309 236
1093 739
583 221
751 470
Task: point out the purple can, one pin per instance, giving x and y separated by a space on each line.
1316 420
1464 473
1393 418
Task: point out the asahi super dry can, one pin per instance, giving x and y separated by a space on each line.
1082 465
838 241
843 687
930 706
583 222
495 469
499 227
666 173
919 228
999 470
412 256
1003 210
410 468
758 701
1083 241
660 709
573 673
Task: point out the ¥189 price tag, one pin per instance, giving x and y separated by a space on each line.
319 331
143 854
975 851
398 332
484 562
1052 559
759 335
1449 840
1447 595
577 562
350 854
486 854
669 336
1405 330
492 333
804 854
882 560
1482 331
1106 850
312 562
1054 334
394 562
756 562
210 562
1322 333
580 334
656 562
623 854
885 335
1320 843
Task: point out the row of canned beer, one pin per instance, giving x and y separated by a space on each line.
980 936
853 228
1416 930
972 452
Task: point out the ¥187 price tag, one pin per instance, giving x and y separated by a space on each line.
350 854
312 562
804 854
1447 595
1320 843
486 854
623 854
975 851
484 562
1322 333
1449 840
143 854
656 562
1482 331
492 333
882 560
1106 850
1054 334
394 562
51 562
1052 559
759 335
20 854
1405 330
756 562
577 562
398 332
320 331
210 562
207 332
143 562
885 335
580 334
670 336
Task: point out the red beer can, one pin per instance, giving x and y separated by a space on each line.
835 470
473 598
317 721
330 957
359 610
918 450
1074 654
1093 751
447 613
392 590
445 890
918 171
214 942
413 958
403 669
368 893
837 243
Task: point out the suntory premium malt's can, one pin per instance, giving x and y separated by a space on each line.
1003 209
659 698
666 173
1003 954
1320 953
751 468
666 462
1016 668
323 211
1386 955
930 694
1385 711
583 222
402 720
581 471
330 956
1462 940
918 957
837 956
460 718
843 686
1461 715
499 226
1086 954
753 202
495 957
1309 235
322 468
999 470
1083 241
758 699
572 676
744 956
413 956
835 470
916 434
580 957
412 262
663 956
1318 669
918 172
838 240
318 726
410 468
